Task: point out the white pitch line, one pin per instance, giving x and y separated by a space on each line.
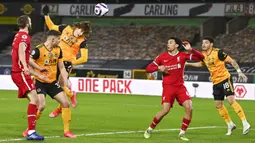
114 133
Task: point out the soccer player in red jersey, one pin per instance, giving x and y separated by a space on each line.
172 64
21 73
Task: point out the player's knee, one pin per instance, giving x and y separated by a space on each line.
33 98
65 104
218 106
42 106
189 108
165 111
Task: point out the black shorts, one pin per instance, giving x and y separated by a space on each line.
222 89
52 89
68 67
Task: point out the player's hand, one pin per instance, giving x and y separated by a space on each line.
43 70
242 75
68 64
26 71
163 69
46 10
187 46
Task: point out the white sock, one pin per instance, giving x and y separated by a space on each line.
245 123
31 132
182 132
230 124
150 129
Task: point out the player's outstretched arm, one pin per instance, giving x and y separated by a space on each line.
35 66
50 24
197 64
236 66
84 54
41 76
196 54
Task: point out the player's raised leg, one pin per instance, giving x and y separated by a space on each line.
239 110
159 116
66 113
225 115
71 94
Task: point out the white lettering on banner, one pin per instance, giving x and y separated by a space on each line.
82 9
188 77
161 9
140 87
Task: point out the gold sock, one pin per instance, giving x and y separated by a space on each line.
224 114
66 116
68 91
38 115
239 110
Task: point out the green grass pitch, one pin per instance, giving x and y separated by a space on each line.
107 118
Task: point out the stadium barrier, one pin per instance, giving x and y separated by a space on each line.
139 87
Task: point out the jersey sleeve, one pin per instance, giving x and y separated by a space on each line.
35 54
202 63
24 39
83 45
223 56
157 60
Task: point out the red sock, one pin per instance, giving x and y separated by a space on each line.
31 116
185 124
154 123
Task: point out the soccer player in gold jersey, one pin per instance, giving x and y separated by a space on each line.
215 60
72 41
49 56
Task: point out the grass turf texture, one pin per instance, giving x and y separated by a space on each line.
112 116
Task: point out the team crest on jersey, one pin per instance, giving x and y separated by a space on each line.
38 90
24 36
56 54
178 59
50 55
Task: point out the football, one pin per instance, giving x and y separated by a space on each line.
101 9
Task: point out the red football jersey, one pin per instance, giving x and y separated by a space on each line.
19 38
175 66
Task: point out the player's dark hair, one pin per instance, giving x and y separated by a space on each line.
179 42
22 21
85 26
210 39
53 33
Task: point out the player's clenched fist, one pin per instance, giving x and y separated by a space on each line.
163 69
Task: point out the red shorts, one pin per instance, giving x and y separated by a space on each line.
23 82
172 92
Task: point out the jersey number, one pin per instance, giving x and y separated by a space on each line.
57 85
226 85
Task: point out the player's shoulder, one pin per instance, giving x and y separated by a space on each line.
215 49
163 54
22 34
40 46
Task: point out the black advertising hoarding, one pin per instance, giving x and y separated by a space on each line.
205 77
17 9
97 73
